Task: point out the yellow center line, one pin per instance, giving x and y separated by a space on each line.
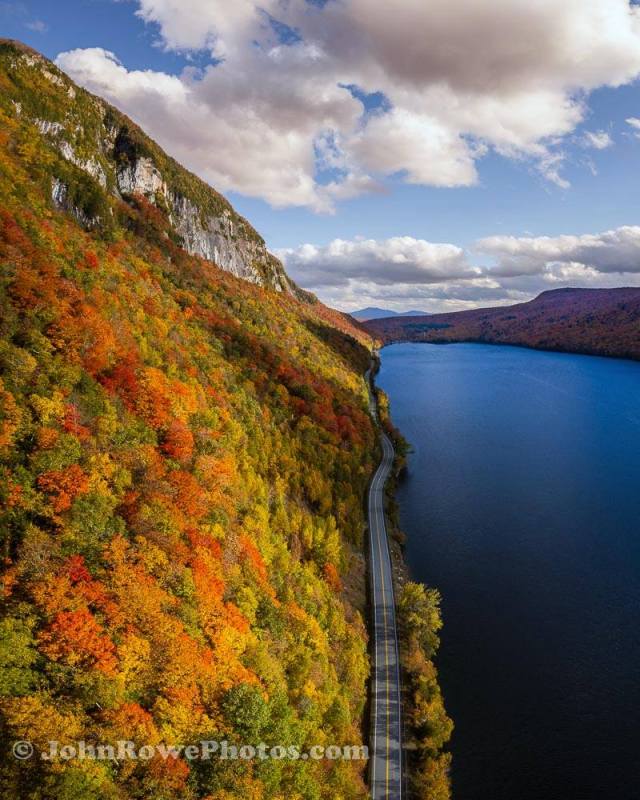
379 487
386 652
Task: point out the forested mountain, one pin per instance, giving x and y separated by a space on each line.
602 322
96 151
372 312
185 447
183 457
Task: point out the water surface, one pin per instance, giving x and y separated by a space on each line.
522 505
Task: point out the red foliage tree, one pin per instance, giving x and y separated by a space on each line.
76 638
63 486
178 441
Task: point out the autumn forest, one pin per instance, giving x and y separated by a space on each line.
183 460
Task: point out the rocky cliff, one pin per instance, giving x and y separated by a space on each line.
120 160
183 460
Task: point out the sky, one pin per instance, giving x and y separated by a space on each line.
441 155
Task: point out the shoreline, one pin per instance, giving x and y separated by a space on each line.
518 345
426 762
387 774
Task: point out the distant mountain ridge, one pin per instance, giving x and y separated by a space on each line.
373 312
602 322
104 152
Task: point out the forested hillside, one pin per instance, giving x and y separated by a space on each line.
183 457
603 322
95 150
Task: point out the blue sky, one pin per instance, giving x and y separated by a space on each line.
541 178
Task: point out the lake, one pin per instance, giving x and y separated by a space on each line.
522 505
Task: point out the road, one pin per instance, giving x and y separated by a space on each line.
386 719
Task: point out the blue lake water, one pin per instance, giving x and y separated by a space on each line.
522 505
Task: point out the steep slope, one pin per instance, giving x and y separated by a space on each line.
94 147
183 457
602 322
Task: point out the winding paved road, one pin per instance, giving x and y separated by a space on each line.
386 733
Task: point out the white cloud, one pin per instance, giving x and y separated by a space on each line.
256 136
216 25
596 140
550 165
616 251
498 48
634 122
427 151
400 260
459 78
37 25
403 272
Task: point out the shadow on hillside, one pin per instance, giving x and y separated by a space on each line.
353 354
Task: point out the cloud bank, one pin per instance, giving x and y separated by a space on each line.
403 272
401 259
281 112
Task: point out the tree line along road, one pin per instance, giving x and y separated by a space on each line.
386 712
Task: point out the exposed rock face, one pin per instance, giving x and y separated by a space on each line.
59 192
215 238
46 126
56 131
60 197
103 143
140 177
89 165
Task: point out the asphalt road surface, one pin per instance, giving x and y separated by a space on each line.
386 735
